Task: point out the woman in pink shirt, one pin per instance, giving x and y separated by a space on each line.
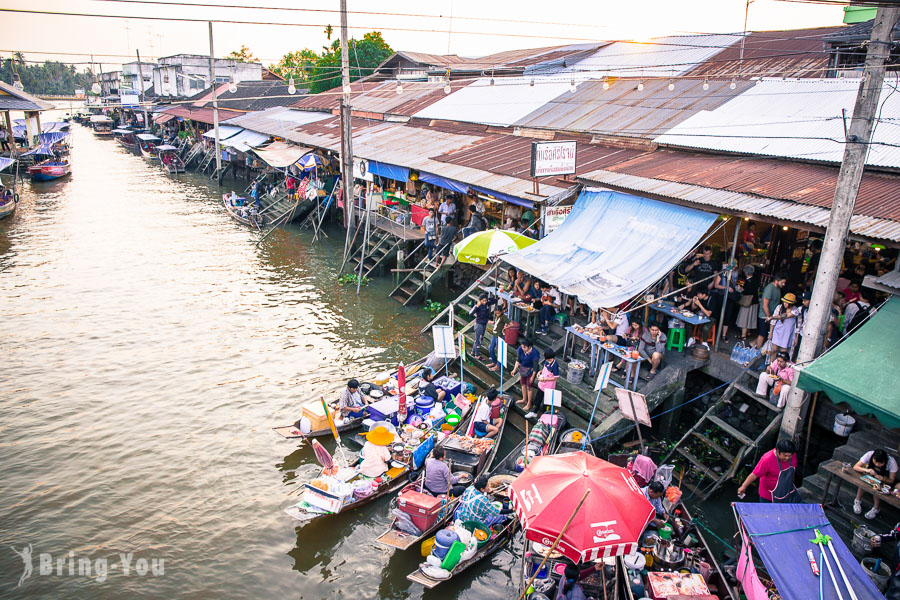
769 467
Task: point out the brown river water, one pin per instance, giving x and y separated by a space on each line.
148 346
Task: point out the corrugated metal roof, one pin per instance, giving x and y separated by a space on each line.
504 103
792 118
624 110
744 204
788 53
381 97
13 99
672 55
200 115
890 279
276 121
879 194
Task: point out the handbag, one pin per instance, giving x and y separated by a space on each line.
546 385
746 300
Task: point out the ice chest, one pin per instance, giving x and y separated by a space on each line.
424 510
315 412
384 410
449 385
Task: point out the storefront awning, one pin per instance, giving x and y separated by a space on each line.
390 171
613 246
246 140
52 137
281 155
780 535
163 118
5 162
462 188
861 370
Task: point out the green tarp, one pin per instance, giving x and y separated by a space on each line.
863 369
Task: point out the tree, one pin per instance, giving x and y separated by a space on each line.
365 55
51 77
242 55
298 64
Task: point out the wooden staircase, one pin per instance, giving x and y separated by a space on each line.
380 246
193 154
720 431
419 278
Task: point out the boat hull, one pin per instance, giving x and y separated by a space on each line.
7 209
48 172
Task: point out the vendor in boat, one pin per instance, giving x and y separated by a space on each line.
569 588
375 452
438 479
654 493
429 389
487 417
352 404
476 505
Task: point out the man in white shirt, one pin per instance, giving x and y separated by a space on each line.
861 303
447 210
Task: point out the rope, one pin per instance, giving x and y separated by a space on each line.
789 530
713 533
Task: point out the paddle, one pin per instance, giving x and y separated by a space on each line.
555 544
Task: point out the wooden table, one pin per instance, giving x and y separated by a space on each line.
594 342
834 469
666 309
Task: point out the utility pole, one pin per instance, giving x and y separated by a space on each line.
141 90
346 129
846 190
212 83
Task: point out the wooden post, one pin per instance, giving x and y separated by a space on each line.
212 83
346 128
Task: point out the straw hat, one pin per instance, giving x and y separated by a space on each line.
789 298
380 436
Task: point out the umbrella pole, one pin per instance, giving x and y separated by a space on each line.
603 579
591 421
555 542
525 459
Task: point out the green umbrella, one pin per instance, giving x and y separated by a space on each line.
479 248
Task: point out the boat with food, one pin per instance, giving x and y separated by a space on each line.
434 571
410 436
313 421
102 125
127 139
169 160
470 456
147 143
244 211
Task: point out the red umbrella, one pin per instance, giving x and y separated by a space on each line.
322 455
611 521
401 398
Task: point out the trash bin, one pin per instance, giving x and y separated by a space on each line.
511 335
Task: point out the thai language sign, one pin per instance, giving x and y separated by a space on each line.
554 217
552 158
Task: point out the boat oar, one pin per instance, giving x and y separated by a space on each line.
555 543
819 541
827 540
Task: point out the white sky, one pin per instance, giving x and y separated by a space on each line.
467 33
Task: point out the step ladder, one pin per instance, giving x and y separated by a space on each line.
712 422
415 282
207 159
381 246
192 154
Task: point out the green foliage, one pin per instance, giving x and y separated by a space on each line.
51 77
369 52
242 55
433 307
351 279
298 64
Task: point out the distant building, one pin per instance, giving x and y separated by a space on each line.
184 75
131 75
109 86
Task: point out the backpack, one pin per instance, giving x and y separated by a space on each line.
859 318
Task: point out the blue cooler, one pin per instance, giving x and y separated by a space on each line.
449 385
424 404
442 542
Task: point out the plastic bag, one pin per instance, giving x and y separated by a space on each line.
465 536
470 550
433 560
404 523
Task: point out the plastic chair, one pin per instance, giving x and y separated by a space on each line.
561 318
698 330
676 339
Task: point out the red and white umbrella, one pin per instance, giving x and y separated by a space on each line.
401 396
611 521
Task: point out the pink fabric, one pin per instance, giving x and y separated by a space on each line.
747 575
643 466
546 385
767 469
786 374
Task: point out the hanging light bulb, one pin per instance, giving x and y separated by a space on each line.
232 87
640 86
572 87
732 85
492 81
18 85
531 83
605 85
399 87
671 86
292 89
447 88
705 84
95 88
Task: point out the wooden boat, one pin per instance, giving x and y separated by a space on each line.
126 139
500 477
571 440
147 143
102 125
8 207
49 170
292 432
474 466
243 211
392 481
169 159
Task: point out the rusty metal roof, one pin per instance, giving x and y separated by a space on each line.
787 53
381 97
624 110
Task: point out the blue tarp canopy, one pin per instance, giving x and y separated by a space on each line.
462 188
390 171
52 137
43 149
781 534
612 246
5 162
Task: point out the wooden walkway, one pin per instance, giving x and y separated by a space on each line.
397 230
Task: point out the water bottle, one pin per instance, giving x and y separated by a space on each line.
734 352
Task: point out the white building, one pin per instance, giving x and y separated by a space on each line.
184 75
131 75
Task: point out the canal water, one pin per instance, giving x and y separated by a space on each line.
148 347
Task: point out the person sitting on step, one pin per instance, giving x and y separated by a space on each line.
780 375
875 463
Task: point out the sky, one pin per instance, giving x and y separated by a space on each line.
463 27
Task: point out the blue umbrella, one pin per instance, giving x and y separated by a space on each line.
309 162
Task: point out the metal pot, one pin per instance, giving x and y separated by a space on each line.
700 352
667 556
